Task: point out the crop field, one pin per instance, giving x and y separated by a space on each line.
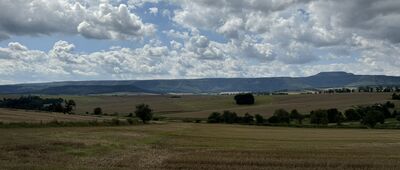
197 107
202 106
14 116
198 146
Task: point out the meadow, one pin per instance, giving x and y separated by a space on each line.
198 146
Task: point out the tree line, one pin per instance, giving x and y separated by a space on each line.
367 115
37 103
395 96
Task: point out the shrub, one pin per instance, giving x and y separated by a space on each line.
319 117
115 121
130 121
389 104
214 117
273 119
244 99
248 118
259 119
340 119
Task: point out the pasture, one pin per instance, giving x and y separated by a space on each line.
198 146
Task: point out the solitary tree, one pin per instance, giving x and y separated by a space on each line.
144 112
97 111
244 99
69 106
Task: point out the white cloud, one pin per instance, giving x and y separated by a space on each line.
98 20
205 38
153 10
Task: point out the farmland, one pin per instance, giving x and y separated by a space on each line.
172 144
202 106
198 146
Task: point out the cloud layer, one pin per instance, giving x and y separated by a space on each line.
204 38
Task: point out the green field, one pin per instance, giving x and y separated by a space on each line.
198 146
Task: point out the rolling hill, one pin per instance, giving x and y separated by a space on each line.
208 85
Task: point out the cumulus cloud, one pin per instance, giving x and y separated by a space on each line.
204 38
99 20
153 10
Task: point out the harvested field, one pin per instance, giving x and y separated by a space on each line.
202 106
13 115
198 146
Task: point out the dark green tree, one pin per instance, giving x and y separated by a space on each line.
372 117
295 115
214 117
244 99
97 111
352 115
282 115
259 119
340 119
319 117
69 105
332 115
248 118
144 112
229 117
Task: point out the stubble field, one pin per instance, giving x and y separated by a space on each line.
198 146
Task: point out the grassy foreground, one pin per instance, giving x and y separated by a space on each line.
198 146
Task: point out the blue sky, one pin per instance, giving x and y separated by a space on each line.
66 40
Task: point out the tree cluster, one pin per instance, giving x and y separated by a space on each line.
283 116
244 99
38 103
395 96
231 117
367 115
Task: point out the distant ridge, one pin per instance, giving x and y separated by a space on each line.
207 85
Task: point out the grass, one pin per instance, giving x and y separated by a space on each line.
198 146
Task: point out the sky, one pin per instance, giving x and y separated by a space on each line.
74 40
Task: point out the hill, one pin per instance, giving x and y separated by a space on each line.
208 85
